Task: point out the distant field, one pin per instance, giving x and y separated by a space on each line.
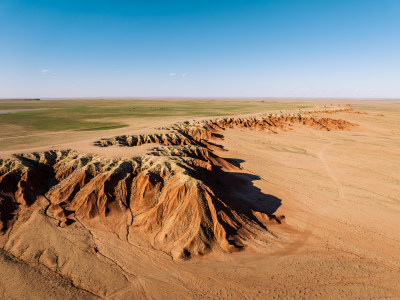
61 115
54 122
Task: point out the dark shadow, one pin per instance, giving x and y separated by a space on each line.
220 147
69 222
217 135
64 206
239 193
40 177
8 210
253 196
240 186
235 161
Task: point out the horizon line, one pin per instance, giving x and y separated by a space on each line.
199 98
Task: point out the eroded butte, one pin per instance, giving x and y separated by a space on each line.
274 205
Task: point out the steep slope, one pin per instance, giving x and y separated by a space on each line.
169 199
180 198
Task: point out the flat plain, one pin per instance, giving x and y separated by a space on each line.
58 121
140 199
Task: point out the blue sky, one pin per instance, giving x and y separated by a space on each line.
200 48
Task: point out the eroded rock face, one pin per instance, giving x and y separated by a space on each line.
180 197
169 198
193 133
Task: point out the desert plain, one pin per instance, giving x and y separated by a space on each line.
200 199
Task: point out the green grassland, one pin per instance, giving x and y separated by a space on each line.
91 115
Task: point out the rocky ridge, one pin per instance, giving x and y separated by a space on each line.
189 133
181 198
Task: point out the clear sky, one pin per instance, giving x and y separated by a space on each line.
199 48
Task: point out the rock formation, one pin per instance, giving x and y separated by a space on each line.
180 198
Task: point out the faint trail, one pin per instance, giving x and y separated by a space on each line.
7 111
36 134
329 171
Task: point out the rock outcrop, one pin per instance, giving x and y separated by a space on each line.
169 196
181 198
193 133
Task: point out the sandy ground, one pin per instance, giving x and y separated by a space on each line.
339 192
